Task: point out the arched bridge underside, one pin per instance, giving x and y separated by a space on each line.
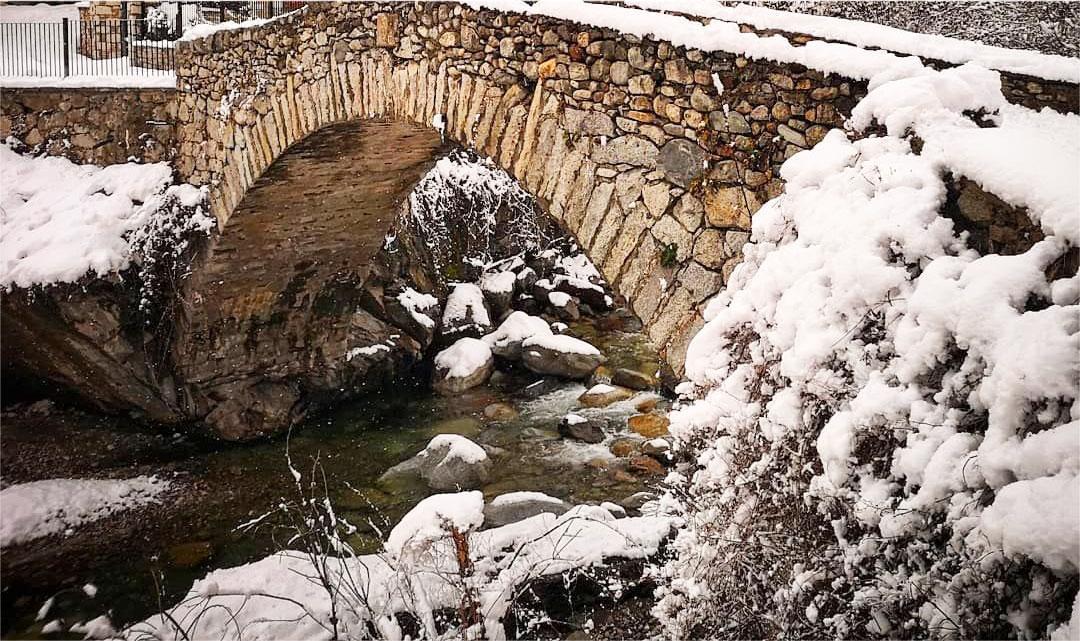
654 157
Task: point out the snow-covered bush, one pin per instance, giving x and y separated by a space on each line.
883 433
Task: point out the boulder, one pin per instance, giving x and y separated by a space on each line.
414 312
634 502
466 313
581 428
616 510
633 379
560 355
518 326
464 365
499 412
564 306
651 425
516 506
449 462
625 446
498 288
587 292
657 448
602 395
540 387
647 465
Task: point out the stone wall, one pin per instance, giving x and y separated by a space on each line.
98 126
654 157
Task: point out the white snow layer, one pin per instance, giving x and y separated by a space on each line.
560 343
43 508
463 358
517 327
279 597
868 34
59 220
466 302
858 305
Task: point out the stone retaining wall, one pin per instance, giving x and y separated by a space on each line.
97 126
655 157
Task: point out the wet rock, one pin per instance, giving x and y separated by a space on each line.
601 376
466 313
414 312
449 462
651 425
581 428
616 510
635 501
646 465
518 326
632 379
563 306
657 448
516 506
500 412
603 395
622 476
647 405
560 356
625 446
585 291
464 365
539 388
498 288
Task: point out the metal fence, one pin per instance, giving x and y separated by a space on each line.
116 47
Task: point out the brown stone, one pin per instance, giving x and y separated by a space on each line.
625 446
650 425
646 465
728 207
547 68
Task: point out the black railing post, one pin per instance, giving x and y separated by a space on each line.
67 49
178 28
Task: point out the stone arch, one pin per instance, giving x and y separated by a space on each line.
621 140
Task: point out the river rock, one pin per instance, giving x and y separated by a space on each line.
465 364
625 446
518 326
449 462
560 355
647 465
498 288
602 395
466 313
649 425
633 379
616 510
414 312
581 428
539 388
516 506
657 448
564 306
499 412
635 501
587 292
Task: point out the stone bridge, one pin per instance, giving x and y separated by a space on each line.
654 157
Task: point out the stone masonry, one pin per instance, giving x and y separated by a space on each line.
95 126
654 157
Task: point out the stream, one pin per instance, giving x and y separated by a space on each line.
141 560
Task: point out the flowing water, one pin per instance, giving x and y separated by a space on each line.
219 488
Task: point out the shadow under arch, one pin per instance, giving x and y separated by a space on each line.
277 301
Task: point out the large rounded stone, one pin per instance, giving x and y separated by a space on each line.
449 462
681 161
560 355
581 429
602 395
464 365
649 425
516 506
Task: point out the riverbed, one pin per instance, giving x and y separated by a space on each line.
148 558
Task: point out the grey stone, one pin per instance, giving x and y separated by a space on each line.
629 149
580 428
517 506
632 379
682 161
792 136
